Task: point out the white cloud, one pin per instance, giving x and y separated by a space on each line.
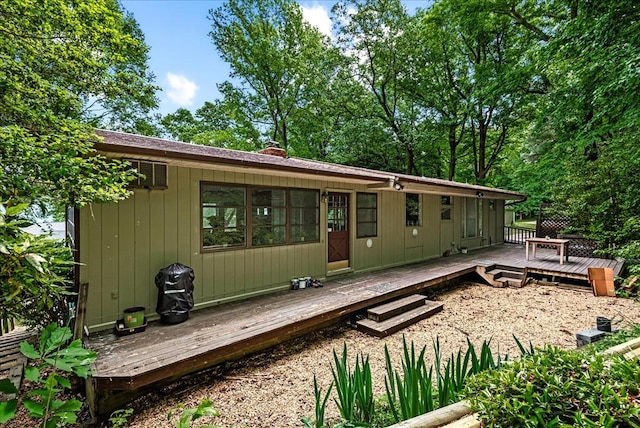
318 16
181 91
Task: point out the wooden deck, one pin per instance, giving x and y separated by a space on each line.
230 331
12 362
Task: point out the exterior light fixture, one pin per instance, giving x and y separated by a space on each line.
479 194
324 195
398 186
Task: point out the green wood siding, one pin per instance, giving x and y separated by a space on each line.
124 245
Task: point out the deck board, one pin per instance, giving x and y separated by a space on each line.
220 333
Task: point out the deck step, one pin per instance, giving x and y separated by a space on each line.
396 307
506 274
507 282
391 325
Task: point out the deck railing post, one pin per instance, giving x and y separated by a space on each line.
517 235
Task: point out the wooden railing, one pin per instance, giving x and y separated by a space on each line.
6 324
517 235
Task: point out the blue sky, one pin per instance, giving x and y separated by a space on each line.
183 57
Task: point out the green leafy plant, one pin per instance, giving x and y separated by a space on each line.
191 414
524 351
414 390
343 379
363 386
55 356
554 387
120 417
321 404
354 389
33 270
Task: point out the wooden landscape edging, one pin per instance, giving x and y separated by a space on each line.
452 413
629 349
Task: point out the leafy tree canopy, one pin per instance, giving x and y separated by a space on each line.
78 60
66 66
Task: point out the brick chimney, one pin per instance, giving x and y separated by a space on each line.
274 149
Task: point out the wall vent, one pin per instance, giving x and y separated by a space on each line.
155 174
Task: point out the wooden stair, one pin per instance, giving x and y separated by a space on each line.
502 276
12 362
390 317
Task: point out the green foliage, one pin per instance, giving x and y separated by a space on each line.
354 389
558 388
59 167
622 335
64 66
320 406
281 62
82 61
120 417
188 415
54 356
33 272
414 391
214 124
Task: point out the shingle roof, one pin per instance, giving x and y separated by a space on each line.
132 144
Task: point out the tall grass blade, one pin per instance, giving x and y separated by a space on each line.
363 387
343 380
321 405
523 351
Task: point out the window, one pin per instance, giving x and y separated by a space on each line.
413 210
470 218
154 174
268 217
445 208
240 216
366 215
305 215
223 216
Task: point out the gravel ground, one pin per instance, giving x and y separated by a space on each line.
274 388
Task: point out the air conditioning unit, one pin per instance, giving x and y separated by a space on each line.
155 174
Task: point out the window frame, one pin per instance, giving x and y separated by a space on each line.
248 215
465 218
446 207
406 207
243 208
369 209
155 179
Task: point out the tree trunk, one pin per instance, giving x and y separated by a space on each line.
453 157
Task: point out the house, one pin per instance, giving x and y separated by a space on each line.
248 223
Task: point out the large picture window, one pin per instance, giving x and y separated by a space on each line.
366 215
241 216
413 210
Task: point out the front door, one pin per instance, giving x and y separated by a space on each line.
338 230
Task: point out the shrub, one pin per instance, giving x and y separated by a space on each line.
559 388
55 357
33 272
